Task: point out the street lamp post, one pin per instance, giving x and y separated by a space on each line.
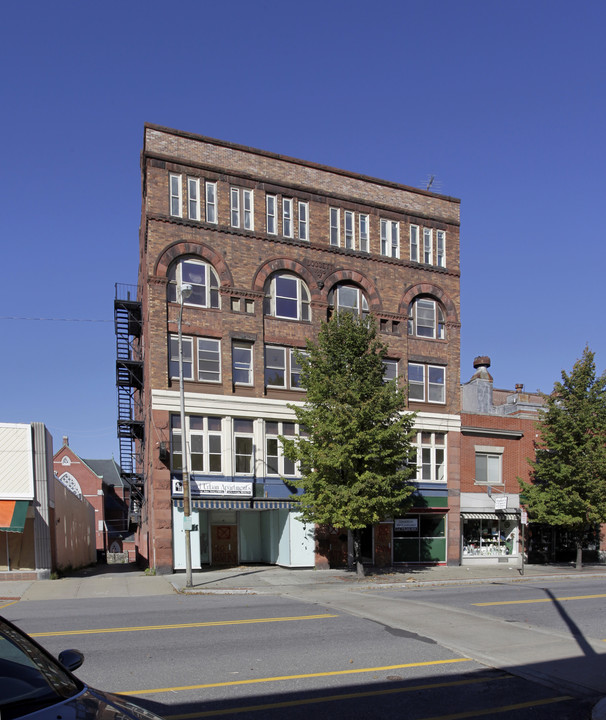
185 291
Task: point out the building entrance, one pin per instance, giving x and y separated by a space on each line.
224 544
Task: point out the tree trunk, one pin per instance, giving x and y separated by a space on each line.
579 563
357 552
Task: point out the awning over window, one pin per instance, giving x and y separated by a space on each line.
12 515
489 516
227 504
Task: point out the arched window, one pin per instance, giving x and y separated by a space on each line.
70 482
426 319
348 298
287 296
201 276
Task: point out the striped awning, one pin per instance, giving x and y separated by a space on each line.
228 504
489 516
12 515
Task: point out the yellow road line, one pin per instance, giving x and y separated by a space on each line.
218 623
358 695
278 678
12 602
540 600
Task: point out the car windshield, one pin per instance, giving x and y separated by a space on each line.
29 678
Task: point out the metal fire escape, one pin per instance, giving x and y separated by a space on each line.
129 381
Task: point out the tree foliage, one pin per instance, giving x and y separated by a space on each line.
568 487
354 458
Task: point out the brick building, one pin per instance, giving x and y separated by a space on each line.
498 432
269 247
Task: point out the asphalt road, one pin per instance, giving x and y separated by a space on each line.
279 657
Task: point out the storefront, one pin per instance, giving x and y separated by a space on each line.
420 538
490 537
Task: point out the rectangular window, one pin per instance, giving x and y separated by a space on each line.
193 198
440 248
175 195
211 202
350 232
391 369
436 384
390 238
204 443
249 209
303 221
275 366
335 226
270 214
431 457
234 205
414 243
173 361
489 465
209 360
287 225
243 446
242 363
364 232
295 372
416 382
426 383
276 463
427 246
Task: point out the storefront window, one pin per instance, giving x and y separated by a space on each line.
489 537
419 538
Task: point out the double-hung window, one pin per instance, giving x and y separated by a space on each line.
489 462
390 369
414 243
242 363
211 202
209 360
390 238
428 246
241 208
440 248
348 298
175 195
364 232
204 444
335 226
243 446
426 383
276 463
188 357
287 296
287 220
193 198
426 319
271 202
281 368
350 230
303 221
203 279
431 457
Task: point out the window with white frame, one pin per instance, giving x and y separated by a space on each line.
303 209
242 363
426 383
414 243
211 202
243 446
276 463
335 226
489 461
364 232
348 298
241 203
428 246
193 198
201 276
440 248
188 357
431 456
209 360
204 444
390 369
271 203
175 195
390 238
426 319
281 368
287 220
287 296
350 230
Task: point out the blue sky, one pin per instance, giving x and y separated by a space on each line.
503 102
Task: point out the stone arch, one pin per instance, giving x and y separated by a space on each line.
434 291
183 248
355 277
287 265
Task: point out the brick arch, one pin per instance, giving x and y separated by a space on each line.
436 292
353 276
288 265
183 248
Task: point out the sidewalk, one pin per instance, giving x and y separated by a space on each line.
130 581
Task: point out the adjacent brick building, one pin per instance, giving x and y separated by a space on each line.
271 246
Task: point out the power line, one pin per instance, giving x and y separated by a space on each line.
41 319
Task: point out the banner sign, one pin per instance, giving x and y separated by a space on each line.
212 488
407 524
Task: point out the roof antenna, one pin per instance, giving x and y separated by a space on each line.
430 183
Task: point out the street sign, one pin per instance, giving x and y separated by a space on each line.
500 502
524 517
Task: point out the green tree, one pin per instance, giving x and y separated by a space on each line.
355 457
568 487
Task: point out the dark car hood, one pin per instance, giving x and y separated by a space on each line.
93 705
